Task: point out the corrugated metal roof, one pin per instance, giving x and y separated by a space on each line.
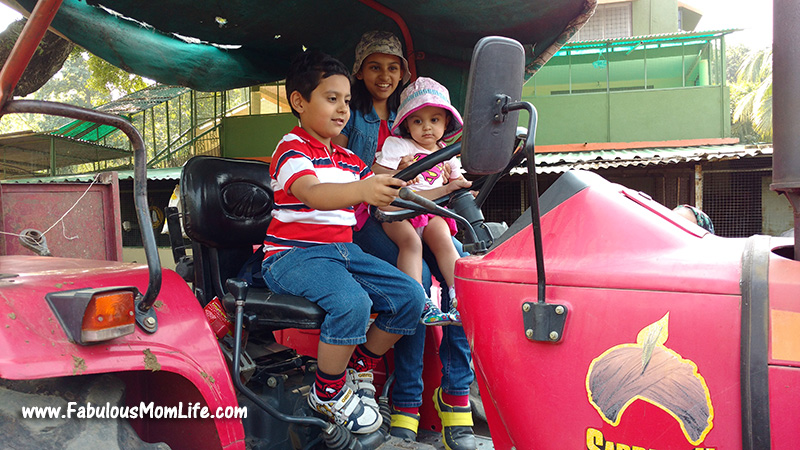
545 162
608 159
126 106
25 152
681 35
171 173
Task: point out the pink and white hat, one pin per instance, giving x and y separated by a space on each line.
421 93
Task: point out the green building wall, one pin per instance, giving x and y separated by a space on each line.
632 116
254 136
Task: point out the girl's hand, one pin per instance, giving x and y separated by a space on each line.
446 171
458 183
405 161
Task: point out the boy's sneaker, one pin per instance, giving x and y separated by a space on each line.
346 409
362 384
433 316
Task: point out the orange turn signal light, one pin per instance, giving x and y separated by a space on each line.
108 315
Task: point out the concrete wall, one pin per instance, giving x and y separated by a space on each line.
631 116
655 17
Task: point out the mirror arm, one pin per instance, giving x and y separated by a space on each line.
534 194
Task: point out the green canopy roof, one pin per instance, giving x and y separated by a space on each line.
126 106
209 45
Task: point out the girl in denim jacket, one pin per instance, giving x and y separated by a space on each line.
379 72
375 90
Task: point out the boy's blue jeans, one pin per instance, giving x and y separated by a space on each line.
454 350
347 283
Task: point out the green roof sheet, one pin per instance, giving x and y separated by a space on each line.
648 39
126 106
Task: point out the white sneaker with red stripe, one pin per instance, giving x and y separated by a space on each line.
347 409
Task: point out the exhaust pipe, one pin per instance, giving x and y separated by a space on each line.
786 107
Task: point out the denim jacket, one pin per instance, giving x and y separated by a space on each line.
362 133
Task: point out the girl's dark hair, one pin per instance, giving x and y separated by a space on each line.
361 99
450 129
307 70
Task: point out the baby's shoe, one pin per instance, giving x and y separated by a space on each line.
455 316
433 316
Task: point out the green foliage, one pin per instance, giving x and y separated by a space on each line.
734 55
85 80
110 80
751 94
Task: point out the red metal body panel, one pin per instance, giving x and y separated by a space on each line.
91 230
619 264
610 237
183 345
784 302
784 371
784 405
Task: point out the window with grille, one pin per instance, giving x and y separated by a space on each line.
732 198
608 22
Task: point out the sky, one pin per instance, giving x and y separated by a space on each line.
7 15
753 16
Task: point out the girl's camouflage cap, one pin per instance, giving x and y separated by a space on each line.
380 42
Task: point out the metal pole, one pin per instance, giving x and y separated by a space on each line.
786 108
139 177
53 161
698 186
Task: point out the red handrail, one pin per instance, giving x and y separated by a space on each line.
26 44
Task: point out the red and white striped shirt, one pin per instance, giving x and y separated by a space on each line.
294 224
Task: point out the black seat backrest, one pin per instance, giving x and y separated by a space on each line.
226 206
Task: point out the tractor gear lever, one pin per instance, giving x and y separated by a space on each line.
475 245
238 288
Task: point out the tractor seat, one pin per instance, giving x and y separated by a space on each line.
226 211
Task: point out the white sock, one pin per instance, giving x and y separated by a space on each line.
452 292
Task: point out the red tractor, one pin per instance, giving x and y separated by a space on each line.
598 320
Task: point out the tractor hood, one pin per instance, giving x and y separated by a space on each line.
597 234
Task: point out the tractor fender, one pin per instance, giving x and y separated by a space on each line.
180 362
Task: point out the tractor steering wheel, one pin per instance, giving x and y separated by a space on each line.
411 209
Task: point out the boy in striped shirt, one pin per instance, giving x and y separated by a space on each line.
309 250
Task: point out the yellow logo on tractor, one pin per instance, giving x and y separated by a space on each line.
649 371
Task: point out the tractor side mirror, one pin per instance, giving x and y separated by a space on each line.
495 80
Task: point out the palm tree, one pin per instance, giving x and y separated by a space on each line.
754 84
